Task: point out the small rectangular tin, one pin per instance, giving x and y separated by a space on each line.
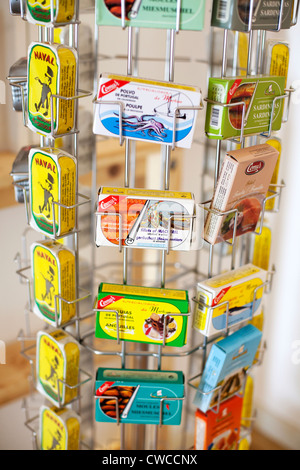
138 395
225 365
51 71
57 366
59 429
53 272
257 95
234 14
160 14
148 110
52 179
145 314
235 297
140 218
41 11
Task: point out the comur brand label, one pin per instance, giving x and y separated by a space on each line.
51 71
40 11
254 167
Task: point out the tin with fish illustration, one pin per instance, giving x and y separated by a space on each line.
266 15
53 272
141 218
59 429
146 315
57 366
52 191
136 396
254 97
51 71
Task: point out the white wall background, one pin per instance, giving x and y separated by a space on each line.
277 382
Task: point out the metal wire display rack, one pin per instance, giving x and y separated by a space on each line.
196 351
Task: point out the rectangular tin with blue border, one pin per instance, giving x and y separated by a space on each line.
139 396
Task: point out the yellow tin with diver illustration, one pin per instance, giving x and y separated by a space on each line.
51 71
57 366
52 190
40 11
59 429
54 286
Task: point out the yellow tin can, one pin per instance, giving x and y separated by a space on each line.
276 143
40 12
57 366
52 185
51 71
59 429
54 286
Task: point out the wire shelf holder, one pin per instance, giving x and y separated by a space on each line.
54 97
58 300
177 111
120 105
32 425
53 235
31 358
239 141
99 215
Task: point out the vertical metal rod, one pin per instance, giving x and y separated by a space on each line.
219 145
249 53
224 57
235 54
126 183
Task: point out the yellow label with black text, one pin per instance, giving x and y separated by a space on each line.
51 78
262 248
52 176
40 12
57 366
279 60
53 269
59 429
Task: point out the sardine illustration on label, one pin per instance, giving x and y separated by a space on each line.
51 71
52 177
42 12
53 271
